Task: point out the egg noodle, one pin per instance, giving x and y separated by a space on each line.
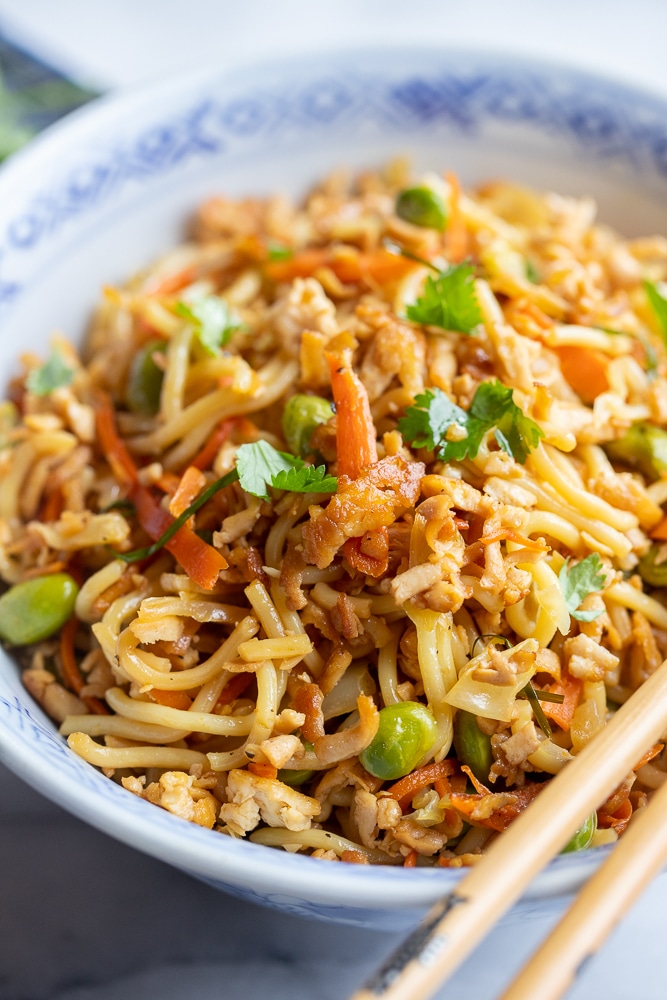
344 533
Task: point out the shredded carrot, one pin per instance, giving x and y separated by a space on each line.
500 818
377 266
649 755
410 859
561 713
618 820
171 699
442 786
533 310
173 283
263 770
52 506
201 561
122 586
585 369
70 668
659 533
191 484
477 785
510 535
168 483
406 788
356 437
354 857
457 235
233 689
205 458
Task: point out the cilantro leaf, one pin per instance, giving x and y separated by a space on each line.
305 479
213 321
587 577
448 301
54 374
425 424
260 465
434 418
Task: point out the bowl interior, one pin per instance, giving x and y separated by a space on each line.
100 195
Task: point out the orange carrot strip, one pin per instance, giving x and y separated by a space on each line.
52 506
121 462
201 561
457 235
263 770
585 370
204 459
171 699
649 755
410 859
191 484
442 786
510 535
379 266
561 713
501 818
660 531
617 820
477 785
356 437
234 688
173 283
405 790
70 668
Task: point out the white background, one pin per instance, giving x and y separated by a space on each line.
84 918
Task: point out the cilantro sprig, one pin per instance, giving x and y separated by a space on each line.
56 373
448 301
258 466
434 422
213 320
586 577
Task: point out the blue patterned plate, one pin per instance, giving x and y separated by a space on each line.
100 194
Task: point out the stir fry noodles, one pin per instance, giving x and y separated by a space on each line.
344 533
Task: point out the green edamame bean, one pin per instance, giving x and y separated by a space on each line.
583 837
144 383
406 733
35 609
301 416
473 747
644 447
654 575
294 778
422 207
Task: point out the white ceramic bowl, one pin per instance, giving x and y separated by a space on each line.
101 194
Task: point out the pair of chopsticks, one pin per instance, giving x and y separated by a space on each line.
456 924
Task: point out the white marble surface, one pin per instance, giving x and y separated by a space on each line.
83 917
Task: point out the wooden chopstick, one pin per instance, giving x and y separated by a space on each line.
639 856
456 924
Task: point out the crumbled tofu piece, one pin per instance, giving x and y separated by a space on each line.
178 793
251 798
518 748
279 749
588 660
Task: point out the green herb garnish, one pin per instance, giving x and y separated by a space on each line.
434 417
530 693
532 273
213 320
278 251
448 301
54 374
258 466
659 306
587 577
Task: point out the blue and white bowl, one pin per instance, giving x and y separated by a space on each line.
100 195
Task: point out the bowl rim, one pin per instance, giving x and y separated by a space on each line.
202 851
